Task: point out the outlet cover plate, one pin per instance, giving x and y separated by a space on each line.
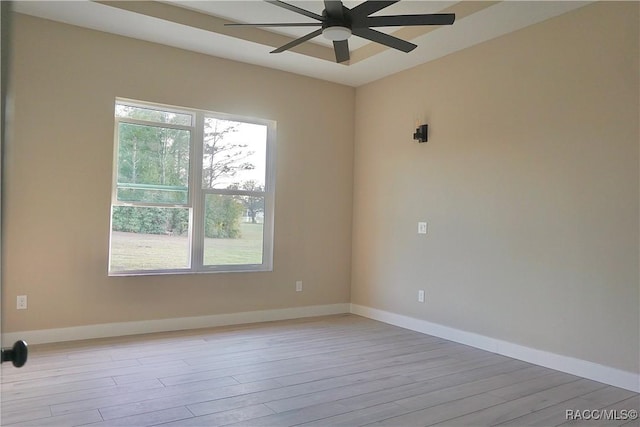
21 302
422 227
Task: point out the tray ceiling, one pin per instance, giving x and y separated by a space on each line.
199 26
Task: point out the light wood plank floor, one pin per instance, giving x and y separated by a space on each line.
326 371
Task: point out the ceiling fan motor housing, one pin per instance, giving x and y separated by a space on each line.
336 28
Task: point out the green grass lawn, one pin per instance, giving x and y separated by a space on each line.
245 250
135 251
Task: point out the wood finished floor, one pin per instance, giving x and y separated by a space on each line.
328 371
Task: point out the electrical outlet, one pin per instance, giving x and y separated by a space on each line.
420 295
422 228
299 286
21 302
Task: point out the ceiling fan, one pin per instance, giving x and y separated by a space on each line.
338 23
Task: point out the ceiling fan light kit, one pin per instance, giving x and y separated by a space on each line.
338 23
336 33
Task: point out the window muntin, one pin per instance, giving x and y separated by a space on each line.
226 223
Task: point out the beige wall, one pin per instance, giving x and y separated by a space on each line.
58 180
529 182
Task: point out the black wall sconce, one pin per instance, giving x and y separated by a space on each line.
421 133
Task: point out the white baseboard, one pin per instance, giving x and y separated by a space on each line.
571 365
165 325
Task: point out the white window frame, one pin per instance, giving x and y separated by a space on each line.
196 192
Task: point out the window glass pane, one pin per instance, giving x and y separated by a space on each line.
153 115
233 230
149 238
234 155
153 164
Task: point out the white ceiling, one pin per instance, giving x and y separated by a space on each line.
492 20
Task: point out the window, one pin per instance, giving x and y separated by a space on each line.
193 191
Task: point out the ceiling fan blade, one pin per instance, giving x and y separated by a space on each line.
407 20
367 8
296 9
342 50
282 24
296 42
385 39
333 8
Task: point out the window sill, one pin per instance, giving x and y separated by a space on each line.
222 269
